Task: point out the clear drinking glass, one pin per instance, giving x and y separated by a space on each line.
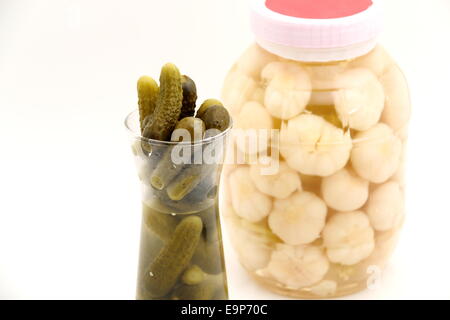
181 253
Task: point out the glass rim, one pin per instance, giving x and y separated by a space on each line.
138 135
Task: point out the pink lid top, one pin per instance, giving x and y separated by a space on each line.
318 9
317 24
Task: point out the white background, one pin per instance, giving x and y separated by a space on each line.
69 195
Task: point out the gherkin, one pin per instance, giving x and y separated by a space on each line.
194 126
160 201
174 257
189 97
165 171
187 180
168 105
206 104
216 117
148 91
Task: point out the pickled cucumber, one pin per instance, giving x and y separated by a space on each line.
195 127
147 124
187 180
216 117
174 257
161 224
193 275
189 97
148 91
205 105
168 105
147 121
195 186
165 171
204 191
160 201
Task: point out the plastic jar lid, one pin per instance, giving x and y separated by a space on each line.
319 30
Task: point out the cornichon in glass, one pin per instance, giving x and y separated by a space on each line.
168 105
216 117
187 180
167 168
148 91
174 257
189 97
206 104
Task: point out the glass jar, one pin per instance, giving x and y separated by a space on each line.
314 186
181 253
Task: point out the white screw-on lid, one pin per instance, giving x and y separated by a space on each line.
319 30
